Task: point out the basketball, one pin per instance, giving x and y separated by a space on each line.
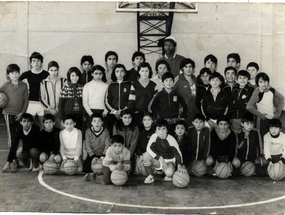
170 169
57 158
223 170
209 160
50 167
70 167
43 157
96 165
119 177
236 162
276 171
199 168
247 168
180 179
3 100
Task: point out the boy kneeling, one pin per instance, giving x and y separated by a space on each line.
162 153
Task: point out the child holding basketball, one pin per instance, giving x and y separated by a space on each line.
18 100
137 59
199 137
183 141
162 153
128 129
70 100
215 100
266 103
111 59
274 143
33 79
50 90
97 141
161 67
166 104
145 89
86 63
49 143
249 146
70 142
253 69
240 96
28 152
117 158
223 141
119 96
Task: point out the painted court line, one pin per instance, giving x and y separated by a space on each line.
41 181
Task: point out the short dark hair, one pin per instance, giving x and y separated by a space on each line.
230 68
101 68
143 65
69 116
48 116
262 76
161 122
12 68
186 61
234 56
113 75
88 58
212 58
109 53
146 113
216 75
117 138
36 55
162 62
167 75
244 73
199 116
27 116
275 123
247 117
182 122
71 70
253 64
205 70
126 111
97 115
138 54
53 64
221 118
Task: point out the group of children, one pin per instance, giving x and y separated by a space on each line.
125 117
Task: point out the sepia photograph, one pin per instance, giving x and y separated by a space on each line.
142 107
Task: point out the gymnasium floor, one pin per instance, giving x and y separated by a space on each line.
31 191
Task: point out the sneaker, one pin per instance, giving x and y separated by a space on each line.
36 169
89 177
31 165
166 178
16 163
149 179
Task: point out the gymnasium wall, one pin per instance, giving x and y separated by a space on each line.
65 31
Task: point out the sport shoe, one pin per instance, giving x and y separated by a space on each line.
89 177
16 163
36 169
31 165
166 178
149 179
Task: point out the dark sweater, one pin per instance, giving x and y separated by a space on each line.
143 139
29 141
185 148
49 141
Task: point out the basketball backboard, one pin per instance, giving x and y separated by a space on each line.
180 7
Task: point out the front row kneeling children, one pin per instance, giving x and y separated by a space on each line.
162 153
